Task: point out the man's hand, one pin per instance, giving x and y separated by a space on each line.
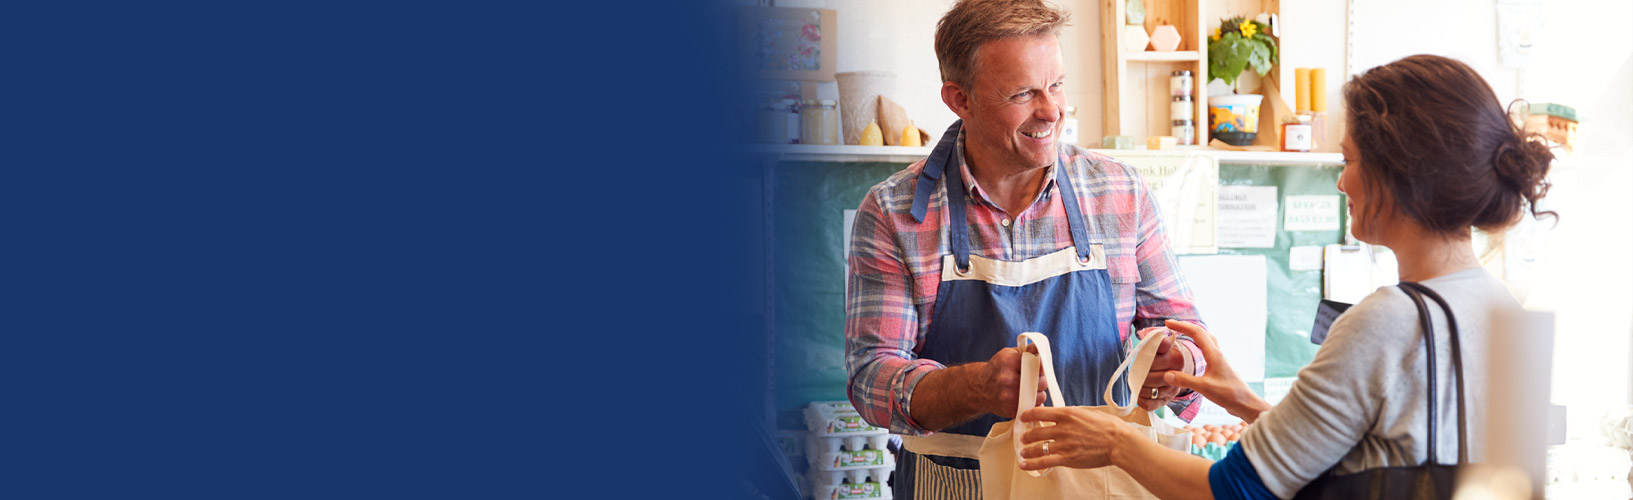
1168 360
956 394
1220 384
998 383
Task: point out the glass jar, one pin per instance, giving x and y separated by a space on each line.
1185 131
1181 108
1296 134
787 128
819 122
1179 82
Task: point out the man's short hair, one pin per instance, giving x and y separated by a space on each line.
971 23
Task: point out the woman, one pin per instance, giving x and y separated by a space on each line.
1429 153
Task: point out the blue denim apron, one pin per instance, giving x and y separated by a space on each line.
982 304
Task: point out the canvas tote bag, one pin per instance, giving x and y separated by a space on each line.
1001 474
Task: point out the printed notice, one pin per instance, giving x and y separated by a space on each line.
1184 187
1247 216
1312 213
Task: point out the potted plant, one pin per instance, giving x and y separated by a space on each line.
1237 45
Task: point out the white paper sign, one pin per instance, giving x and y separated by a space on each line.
1247 216
1307 258
1231 295
1185 187
1312 213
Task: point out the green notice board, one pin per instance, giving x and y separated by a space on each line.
806 204
1293 295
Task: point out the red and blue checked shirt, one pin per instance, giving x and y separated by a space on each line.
895 269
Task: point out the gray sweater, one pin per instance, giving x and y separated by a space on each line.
1362 402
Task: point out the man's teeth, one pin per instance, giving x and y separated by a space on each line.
1038 135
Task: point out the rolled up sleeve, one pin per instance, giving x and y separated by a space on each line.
881 325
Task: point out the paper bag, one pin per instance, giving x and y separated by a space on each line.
1001 474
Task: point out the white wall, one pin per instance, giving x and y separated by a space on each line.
899 36
1584 265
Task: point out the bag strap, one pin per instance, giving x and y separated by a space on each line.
1416 291
1457 363
1138 364
1029 387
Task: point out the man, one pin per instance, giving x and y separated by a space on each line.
1002 230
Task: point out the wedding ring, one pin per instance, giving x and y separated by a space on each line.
1153 393
1045 447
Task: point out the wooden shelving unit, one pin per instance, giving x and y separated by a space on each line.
1137 97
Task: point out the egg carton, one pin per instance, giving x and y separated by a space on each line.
852 459
818 444
850 475
838 419
869 490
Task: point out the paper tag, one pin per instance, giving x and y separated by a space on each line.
1307 258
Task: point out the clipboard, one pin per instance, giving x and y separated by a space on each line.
1325 313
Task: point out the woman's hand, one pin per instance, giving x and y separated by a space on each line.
1219 384
1080 438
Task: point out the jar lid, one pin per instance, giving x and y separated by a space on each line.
1178 98
1183 72
1182 123
819 102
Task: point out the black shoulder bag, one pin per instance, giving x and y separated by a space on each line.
1431 479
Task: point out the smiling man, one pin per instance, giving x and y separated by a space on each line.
1003 230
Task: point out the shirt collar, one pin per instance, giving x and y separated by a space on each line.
980 195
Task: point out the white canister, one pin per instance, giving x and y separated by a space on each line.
1181 108
1179 82
1185 131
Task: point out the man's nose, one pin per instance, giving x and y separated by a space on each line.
1048 108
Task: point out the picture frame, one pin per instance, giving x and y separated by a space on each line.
784 43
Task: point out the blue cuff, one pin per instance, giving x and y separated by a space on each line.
1234 478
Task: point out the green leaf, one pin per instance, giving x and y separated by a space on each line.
1268 42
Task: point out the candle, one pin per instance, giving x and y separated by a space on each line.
1302 77
1318 89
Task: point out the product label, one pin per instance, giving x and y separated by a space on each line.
851 423
863 490
860 458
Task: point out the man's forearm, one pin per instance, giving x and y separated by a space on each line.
945 398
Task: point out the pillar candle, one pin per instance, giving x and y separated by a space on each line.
1318 89
1302 77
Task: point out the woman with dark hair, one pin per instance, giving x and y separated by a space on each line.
1429 153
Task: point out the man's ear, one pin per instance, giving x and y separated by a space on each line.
957 99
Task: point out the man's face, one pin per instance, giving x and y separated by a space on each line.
1015 102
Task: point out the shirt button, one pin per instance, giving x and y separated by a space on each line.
1005 222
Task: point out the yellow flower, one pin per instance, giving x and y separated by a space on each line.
1216 34
1248 29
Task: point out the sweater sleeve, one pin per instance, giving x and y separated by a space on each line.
1336 400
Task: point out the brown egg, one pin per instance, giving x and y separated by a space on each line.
1198 440
1217 438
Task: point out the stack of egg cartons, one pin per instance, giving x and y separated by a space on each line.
848 458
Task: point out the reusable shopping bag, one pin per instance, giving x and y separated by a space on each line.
1001 474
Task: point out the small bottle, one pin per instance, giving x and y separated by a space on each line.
789 131
1296 134
1068 127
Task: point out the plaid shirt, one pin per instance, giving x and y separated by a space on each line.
895 269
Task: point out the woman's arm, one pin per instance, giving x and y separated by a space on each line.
1086 439
1220 383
